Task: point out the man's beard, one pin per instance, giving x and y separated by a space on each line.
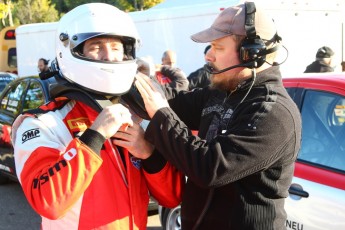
227 85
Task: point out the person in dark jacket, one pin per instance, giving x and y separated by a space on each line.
323 62
200 78
42 65
241 164
168 66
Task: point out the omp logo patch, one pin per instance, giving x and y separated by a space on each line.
30 134
80 123
136 162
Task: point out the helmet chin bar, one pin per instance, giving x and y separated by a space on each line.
54 71
106 78
61 80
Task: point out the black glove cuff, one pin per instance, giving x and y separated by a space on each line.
154 163
93 139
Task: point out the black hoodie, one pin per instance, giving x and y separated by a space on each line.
242 163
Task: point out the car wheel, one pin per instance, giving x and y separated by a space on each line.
172 219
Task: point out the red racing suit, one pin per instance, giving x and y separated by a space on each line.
71 186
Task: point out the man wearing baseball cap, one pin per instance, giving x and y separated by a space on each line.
241 164
323 62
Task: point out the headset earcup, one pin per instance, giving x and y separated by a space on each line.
253 48
251 51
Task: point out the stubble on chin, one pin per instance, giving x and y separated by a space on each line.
223 83
215 84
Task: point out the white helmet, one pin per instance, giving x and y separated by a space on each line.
88 21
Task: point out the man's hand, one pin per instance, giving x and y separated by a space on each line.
109 121
151 93
132 138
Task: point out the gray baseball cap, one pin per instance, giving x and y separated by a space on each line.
231 21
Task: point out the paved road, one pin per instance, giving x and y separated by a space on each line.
16 213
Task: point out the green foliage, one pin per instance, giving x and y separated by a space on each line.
6 13
3 10
150 3
34 11
125 5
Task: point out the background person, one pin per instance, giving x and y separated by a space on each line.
240 167
168 74
42 65
80 168
169 58
199 78
323 62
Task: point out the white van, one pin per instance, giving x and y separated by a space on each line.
304 26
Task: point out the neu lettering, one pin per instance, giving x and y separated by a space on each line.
294 225
69 155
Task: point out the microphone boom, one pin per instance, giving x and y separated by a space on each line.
211 70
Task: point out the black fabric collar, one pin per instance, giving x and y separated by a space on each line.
96 102
270 74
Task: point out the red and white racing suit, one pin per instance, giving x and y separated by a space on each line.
71 186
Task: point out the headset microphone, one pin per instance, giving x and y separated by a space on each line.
212 70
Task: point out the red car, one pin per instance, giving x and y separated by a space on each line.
317 192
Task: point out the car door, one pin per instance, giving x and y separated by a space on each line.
317 192
10 107
23 95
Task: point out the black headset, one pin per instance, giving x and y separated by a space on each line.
253 49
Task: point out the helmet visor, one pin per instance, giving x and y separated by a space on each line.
77 43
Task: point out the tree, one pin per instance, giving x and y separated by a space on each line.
63 6
6 13
34 11
144 5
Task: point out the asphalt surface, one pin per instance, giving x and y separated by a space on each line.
16 213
